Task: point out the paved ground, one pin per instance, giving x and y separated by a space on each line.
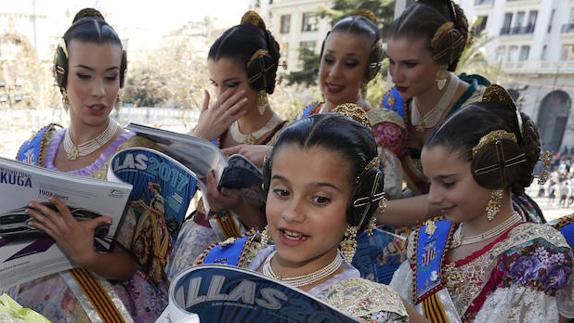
551 211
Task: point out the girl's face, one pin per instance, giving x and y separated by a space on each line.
306 204
93 81
411 66
343 67
225 74
453 189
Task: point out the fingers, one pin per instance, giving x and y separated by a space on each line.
42 222
44 214
62 208
205 100
94 223
233 150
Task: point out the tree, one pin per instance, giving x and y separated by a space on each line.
474 60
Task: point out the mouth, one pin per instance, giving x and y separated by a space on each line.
402 89
97 108
446 210
333 88
291 237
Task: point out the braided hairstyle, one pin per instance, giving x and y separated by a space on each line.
464 130
252 46
351 139
441 22
364 24
88 26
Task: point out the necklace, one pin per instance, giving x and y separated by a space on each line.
459 240
307 279
253 137
434 116
74 151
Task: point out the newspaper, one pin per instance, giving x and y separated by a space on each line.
220 293
27 253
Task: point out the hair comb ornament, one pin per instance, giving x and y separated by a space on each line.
64 48
367 14
354 112
446 32
546 159
498 95
253 18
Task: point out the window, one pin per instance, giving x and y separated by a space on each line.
518 22
310 44
500 53
512 53
310 22
480 24
505 30
531 21
285 24
524 52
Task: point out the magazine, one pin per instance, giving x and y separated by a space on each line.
27 253
220 293
162 191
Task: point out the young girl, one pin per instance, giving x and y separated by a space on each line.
483 262
324 184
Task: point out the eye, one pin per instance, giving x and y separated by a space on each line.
112 78
232 84
83 76
351 63
321 200
448 184
328 59
281 193
411 64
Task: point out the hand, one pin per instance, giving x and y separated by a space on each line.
226 198
214 120
75 238
254 153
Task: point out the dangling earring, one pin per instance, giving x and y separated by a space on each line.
348 245
65 99
261 102
265 237
494 204
441 78
118 103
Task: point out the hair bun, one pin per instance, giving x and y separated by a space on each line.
88 12
253 18
368 14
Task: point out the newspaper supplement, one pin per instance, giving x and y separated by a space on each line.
27 253
220 293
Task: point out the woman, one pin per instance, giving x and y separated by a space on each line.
323 182
483 262
242 66
89 67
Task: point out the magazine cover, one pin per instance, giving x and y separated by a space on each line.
162 191
27 253
219 293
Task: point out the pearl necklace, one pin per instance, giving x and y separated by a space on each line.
252 138
74 151
307 279
459 240
434 116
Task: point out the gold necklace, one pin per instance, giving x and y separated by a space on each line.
74 151
460 240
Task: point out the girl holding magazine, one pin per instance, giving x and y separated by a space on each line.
89 67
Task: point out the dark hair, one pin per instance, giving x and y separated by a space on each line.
424 18
246 44
465 129
347 137
88 26
366 27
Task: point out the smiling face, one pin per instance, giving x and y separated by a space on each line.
306 205
93 81
411 66
226 74
343 67
453 189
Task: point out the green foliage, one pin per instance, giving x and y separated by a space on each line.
474 60
308 74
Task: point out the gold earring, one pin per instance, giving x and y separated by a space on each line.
65 99
546 161
261 102
441 78
494 204
265 237
348 245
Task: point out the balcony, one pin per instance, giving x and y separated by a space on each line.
538 67
517 30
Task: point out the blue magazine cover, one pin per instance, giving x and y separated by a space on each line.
157 206
219 293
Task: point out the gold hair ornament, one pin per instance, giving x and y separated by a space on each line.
258 56
64 48
368 14
253 18
546 161
492 136
455 40
496 94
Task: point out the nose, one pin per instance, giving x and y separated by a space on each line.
335 70
434 196
294 213
396 74
99 88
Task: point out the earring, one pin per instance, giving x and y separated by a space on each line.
441 78
118 103
265 237
546 161
348 245
261 102
65 99
494 204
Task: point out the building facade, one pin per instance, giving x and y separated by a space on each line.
533 43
